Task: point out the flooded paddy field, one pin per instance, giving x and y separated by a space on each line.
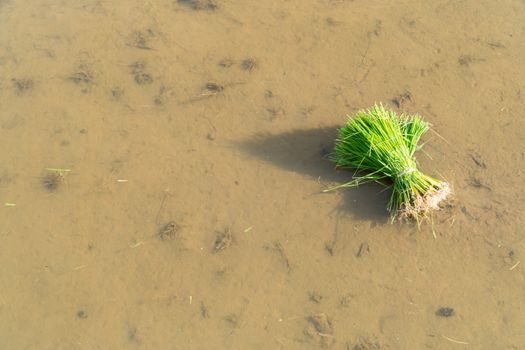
162 165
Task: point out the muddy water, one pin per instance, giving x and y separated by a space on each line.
186 210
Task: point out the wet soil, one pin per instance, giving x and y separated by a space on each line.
179 118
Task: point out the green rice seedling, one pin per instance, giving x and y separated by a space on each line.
380 145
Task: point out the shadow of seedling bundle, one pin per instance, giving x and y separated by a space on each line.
306 152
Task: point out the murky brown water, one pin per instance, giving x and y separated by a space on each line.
214 116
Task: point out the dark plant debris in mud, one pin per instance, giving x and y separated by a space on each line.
478 183
82 314
53 180
467 60
315 297
325 150
161 97
278 247
139 74
232 319
117 92
345 300
204 311
132 334
273 112
199 5
226 63
445 312
140 39
329 247
364 344
21 86
468 214
248 64
83 76
332 22
222 241
400 100
213 88
169 231
209 89
319 327
476 158
364 248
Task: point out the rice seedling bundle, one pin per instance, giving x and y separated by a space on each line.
380 145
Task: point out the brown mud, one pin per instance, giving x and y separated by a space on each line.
195 134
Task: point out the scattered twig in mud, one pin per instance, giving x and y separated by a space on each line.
83 76
496 45
515 265
212 88
204 311
232 319
138 244
363 248
209 90
169 231
468 214
222 241
140 39
315 297
21 86
277 246
199 5
455 341
329 247
226 63
319 327
477 183
476 158
466 60
161 207
363 59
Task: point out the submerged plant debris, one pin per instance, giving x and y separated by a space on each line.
53 180
199 5
169 231
381 144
